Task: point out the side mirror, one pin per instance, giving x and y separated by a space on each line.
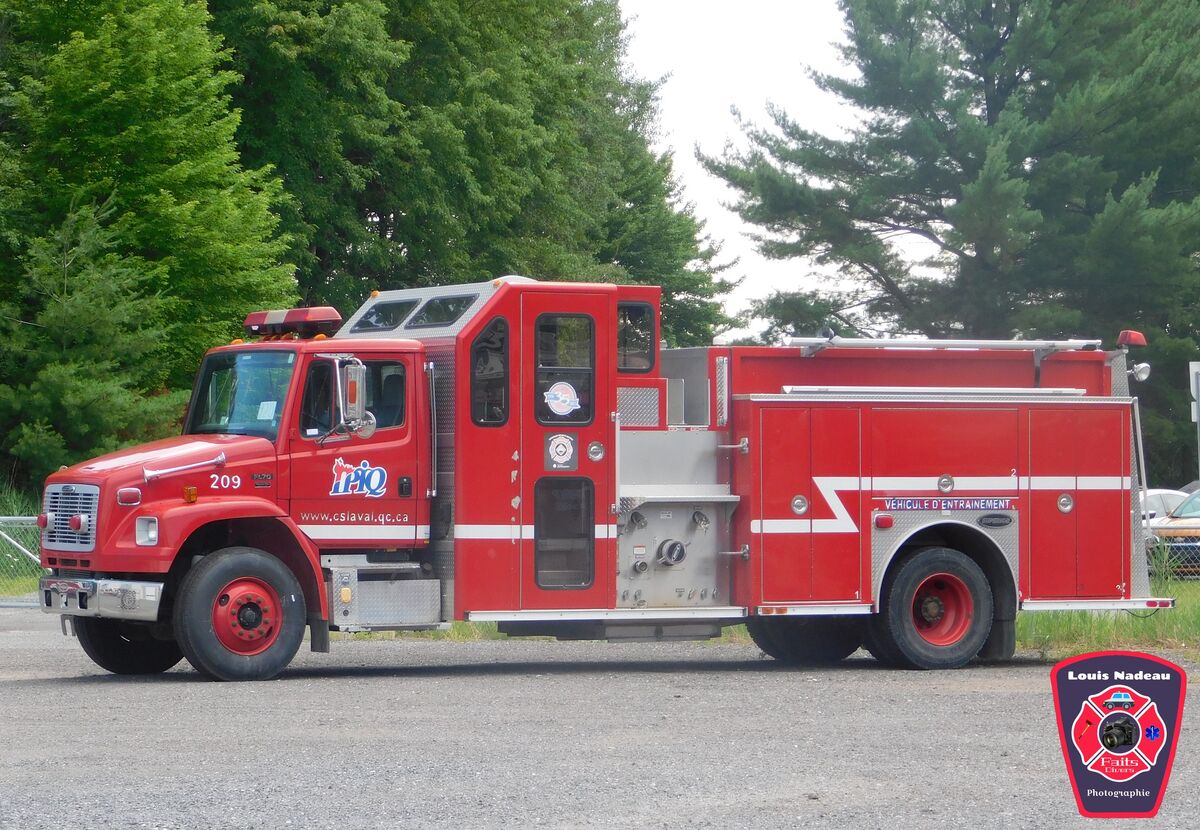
355 417
354 392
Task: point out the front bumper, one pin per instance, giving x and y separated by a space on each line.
118 599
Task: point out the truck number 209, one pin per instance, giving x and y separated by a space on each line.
220 482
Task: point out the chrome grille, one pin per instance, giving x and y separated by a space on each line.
63 501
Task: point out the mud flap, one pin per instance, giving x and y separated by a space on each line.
1001 644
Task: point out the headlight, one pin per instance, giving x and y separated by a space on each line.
145 530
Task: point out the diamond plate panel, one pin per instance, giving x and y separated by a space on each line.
884 544
638 406
381 602
722 390
442 509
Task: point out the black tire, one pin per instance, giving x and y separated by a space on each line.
895 631
806 641
205 592
761 634
125 648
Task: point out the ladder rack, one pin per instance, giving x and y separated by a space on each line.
811 345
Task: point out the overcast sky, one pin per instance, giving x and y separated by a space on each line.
716 54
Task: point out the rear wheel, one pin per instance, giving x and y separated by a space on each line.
811 641
240 615
937 611
125 648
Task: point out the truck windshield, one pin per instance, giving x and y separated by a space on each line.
241 393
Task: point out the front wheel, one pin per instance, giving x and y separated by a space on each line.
937 611
125 648
240 615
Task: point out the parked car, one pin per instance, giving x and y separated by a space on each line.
1178 537
1159 503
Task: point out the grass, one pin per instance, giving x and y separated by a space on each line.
1059 634
18 574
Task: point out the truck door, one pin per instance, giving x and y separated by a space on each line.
353 492
567 451
1079 531
811 504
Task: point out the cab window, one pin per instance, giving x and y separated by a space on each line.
386 396
565 369
635 337
489 375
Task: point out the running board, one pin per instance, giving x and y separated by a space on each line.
725 612
1151 604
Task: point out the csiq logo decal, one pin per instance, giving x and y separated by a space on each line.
561 398
1118 715
363 480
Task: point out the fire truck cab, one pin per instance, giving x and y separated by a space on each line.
530 454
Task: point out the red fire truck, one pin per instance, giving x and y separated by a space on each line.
528 453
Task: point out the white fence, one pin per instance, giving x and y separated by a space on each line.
19 565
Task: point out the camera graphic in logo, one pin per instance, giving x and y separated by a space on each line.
1119 733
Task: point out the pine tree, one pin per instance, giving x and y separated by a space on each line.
81 340
1045 150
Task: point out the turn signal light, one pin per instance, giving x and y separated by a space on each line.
884 520
190 494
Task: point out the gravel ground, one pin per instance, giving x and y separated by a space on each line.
425 733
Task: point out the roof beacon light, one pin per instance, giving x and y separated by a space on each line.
1129 337
303 322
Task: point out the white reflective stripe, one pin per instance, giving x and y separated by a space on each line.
404 533
985 483
1052 482
510 532
506 532
781 526
1102 483
904 483
842 521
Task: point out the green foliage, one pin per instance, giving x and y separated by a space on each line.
82 338
124 99
1045 151
435 141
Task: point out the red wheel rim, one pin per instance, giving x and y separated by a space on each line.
942 609
246 616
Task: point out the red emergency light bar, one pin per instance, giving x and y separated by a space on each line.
1129 337
304 322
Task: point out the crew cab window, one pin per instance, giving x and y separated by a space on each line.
565 369
635 337
489 375
385 396
385 315
440 311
